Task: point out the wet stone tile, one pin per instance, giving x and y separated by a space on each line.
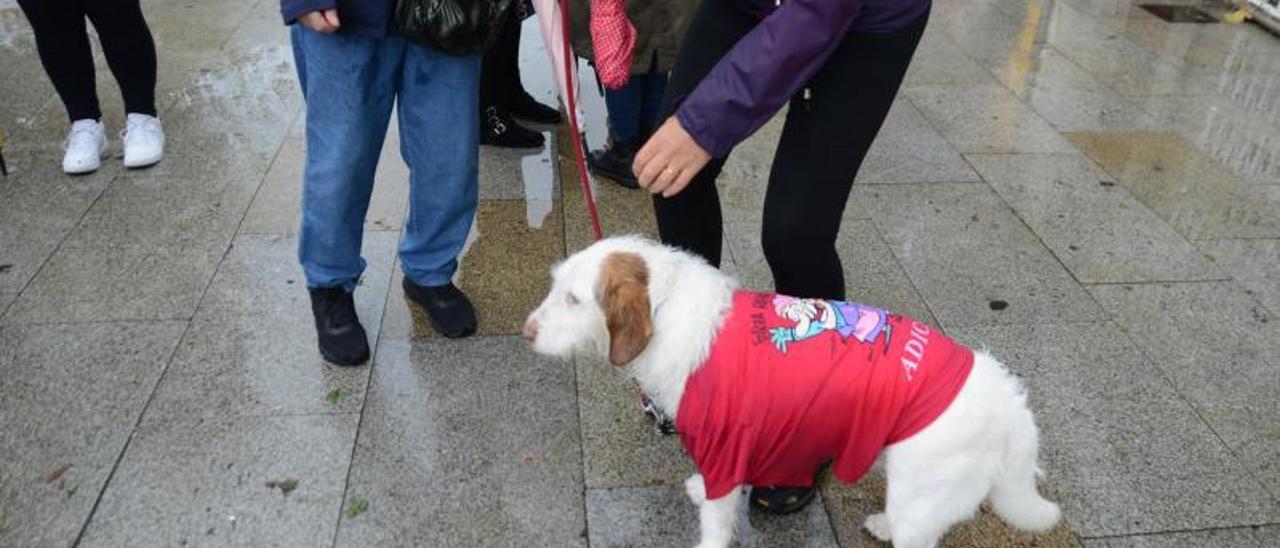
1217 346
249 481
1122 451
155 210
117 283
621 446
506 267
1069 109
938 60
972 260
909 150
1099 231
664 516
1188 189
985 118
1254 264
872 275
276 207
470 442
71 396
1230 130
849 506
252 345
1236 537
39 206
1042 68
27 88
519 174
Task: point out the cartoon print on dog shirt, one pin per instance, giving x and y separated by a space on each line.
812 317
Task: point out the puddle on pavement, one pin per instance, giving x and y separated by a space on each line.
539 175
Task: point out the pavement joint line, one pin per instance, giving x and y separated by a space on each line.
1180 531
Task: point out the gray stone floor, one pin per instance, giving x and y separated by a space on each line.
1113 178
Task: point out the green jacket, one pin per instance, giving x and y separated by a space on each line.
660 25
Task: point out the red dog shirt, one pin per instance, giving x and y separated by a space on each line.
792 383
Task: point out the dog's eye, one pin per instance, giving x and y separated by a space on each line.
569 298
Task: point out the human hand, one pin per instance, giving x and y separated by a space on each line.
669 160
323 21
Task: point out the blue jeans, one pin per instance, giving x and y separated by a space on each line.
633 110
350 84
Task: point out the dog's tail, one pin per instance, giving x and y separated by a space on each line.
1014 495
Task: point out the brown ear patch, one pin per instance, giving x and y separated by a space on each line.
624 290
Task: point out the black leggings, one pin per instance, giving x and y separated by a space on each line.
823 143
63 42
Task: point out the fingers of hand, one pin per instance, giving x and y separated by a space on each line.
331 16
317 21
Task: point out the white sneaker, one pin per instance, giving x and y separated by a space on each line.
143 140
85 145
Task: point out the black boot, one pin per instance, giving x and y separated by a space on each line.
342 338
448 308
614 163
526 108
499 129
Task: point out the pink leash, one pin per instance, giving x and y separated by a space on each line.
572 102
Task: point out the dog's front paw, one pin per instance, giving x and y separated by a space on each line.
878 526
696 489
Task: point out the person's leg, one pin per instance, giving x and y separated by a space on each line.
349 87
654 87
691 219
826 136
439 140
500 71
129 49
623 106
614 161
63 44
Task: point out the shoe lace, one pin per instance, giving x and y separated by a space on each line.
80 134
135 127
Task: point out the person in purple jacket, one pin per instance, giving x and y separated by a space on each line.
838 63
353 71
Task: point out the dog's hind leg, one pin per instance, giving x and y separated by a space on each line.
1014 496
926 495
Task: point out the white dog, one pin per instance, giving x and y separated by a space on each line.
950 426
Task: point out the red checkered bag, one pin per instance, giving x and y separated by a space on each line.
613 38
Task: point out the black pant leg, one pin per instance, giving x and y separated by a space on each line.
691 220
63 44
500 69
129 49
825 139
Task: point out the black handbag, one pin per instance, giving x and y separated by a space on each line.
457 27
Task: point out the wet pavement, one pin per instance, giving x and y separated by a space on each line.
1086 189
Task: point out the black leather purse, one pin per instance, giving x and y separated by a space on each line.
456 27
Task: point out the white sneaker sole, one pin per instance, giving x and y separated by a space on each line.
135 163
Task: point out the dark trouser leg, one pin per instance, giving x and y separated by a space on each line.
691 220
500 69
63 44
129 49
822 146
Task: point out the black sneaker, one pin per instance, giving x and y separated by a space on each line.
614 163
781 501
342 338
526 108
499 129
449 310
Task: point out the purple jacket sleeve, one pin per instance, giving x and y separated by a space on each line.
290 10
764 70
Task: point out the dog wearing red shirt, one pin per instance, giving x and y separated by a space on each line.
764 389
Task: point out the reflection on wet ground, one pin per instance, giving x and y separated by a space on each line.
1089 191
